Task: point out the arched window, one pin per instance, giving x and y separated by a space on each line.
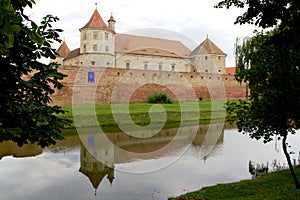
127 65
173 67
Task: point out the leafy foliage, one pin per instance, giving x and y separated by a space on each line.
263 13
274 85
269 63
26 83
159 97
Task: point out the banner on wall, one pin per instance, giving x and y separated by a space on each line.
91 77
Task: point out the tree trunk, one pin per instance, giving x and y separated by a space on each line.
288 158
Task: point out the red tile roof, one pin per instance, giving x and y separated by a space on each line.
63 50
230 70
111 19
155 52
207 47
150 46
73 54
95 21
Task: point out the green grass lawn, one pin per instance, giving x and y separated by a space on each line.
177 114
276 185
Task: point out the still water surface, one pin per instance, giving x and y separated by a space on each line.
70 170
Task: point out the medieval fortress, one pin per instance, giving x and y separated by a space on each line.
127 68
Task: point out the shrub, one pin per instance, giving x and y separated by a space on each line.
159 97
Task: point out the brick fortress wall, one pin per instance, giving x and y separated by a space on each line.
121 85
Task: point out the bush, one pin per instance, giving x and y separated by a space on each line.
159 97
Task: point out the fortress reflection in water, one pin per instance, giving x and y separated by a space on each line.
98 158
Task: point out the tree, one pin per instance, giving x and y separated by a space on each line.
26 83
270 63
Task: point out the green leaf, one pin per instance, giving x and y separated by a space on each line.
10 42
35 37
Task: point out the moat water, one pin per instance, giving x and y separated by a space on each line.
72 169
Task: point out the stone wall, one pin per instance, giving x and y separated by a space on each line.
121 85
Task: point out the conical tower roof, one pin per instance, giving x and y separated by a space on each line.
63 50
207 47
111 19
95 21
94 177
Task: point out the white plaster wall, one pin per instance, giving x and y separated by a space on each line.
88 40
213 63
138 61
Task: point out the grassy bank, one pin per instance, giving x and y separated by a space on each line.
177 114
276 185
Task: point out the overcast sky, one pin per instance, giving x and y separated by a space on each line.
193 19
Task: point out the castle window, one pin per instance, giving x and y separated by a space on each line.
95 35
127 65
84 48
106 36
219 57
106 48
159 67
93 62
206 70
94 47
173 67
145 66
206 57
187 68
84 36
